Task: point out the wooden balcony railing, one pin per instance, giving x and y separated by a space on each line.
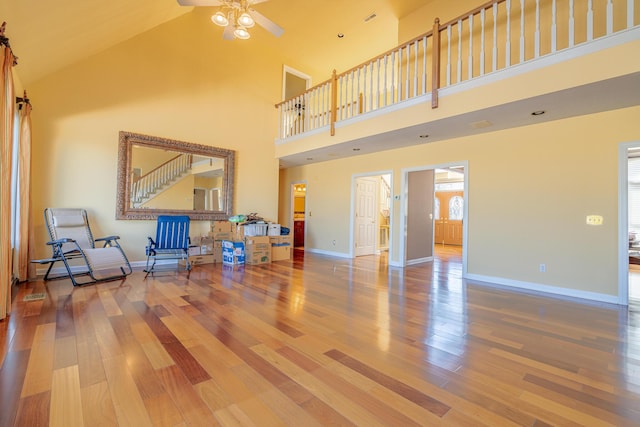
490 38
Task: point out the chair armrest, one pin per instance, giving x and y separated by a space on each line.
61 241
107 239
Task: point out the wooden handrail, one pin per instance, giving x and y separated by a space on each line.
475 11
368 81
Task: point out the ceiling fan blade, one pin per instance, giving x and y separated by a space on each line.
200 2
227 34
266 23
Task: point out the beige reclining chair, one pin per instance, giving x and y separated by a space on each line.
71 239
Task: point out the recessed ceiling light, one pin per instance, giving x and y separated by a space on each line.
309 158
424 136
340 35
356 149
538 113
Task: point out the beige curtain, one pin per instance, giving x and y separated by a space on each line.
7 109
24 194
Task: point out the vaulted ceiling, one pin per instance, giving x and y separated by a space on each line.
49 35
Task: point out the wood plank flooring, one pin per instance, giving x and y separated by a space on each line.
315 341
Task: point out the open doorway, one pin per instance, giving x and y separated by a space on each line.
434 212
298 213
294 83
372 214
633 223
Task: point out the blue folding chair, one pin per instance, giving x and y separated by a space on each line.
171 242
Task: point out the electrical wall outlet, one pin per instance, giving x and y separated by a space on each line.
543 268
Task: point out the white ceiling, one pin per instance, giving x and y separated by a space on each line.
81 28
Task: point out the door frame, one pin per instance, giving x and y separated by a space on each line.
286 69
623 220
404 185
352 225
292 197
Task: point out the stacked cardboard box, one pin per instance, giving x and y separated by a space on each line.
233 252
257 249
281 247
221 230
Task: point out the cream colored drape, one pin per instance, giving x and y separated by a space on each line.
7 110
24 195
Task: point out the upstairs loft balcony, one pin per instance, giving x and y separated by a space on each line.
489 69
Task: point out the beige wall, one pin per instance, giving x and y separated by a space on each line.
530 190
178 81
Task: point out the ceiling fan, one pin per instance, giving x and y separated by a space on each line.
236 16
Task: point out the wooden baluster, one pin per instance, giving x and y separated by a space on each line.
424 67
589 20
400 61
571 25
393 77
609 17
521 31
449 55
334 94
386 81
407 76
482 18
507 58
459 68
435 85
470 59
536 50
554 27
364 87
359 92
378 83
415 67
494 55
353 94
305 113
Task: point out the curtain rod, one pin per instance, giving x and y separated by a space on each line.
4 41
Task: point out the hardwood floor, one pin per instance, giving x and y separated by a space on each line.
315 341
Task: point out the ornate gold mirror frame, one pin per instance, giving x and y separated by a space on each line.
160 176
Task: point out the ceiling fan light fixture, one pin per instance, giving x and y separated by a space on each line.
241 33
220 19
246 20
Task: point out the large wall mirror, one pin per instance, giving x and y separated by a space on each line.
159 176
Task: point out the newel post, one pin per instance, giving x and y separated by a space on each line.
435 72
334 101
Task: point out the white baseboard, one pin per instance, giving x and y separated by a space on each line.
329 253
420 260
555 291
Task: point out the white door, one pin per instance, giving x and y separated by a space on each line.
365 221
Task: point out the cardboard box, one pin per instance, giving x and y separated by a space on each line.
217 253
194 250
280 253
221 227
273 230
258 257
206 245
201 259
257 249
281 240
233 252
257 243
220 236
